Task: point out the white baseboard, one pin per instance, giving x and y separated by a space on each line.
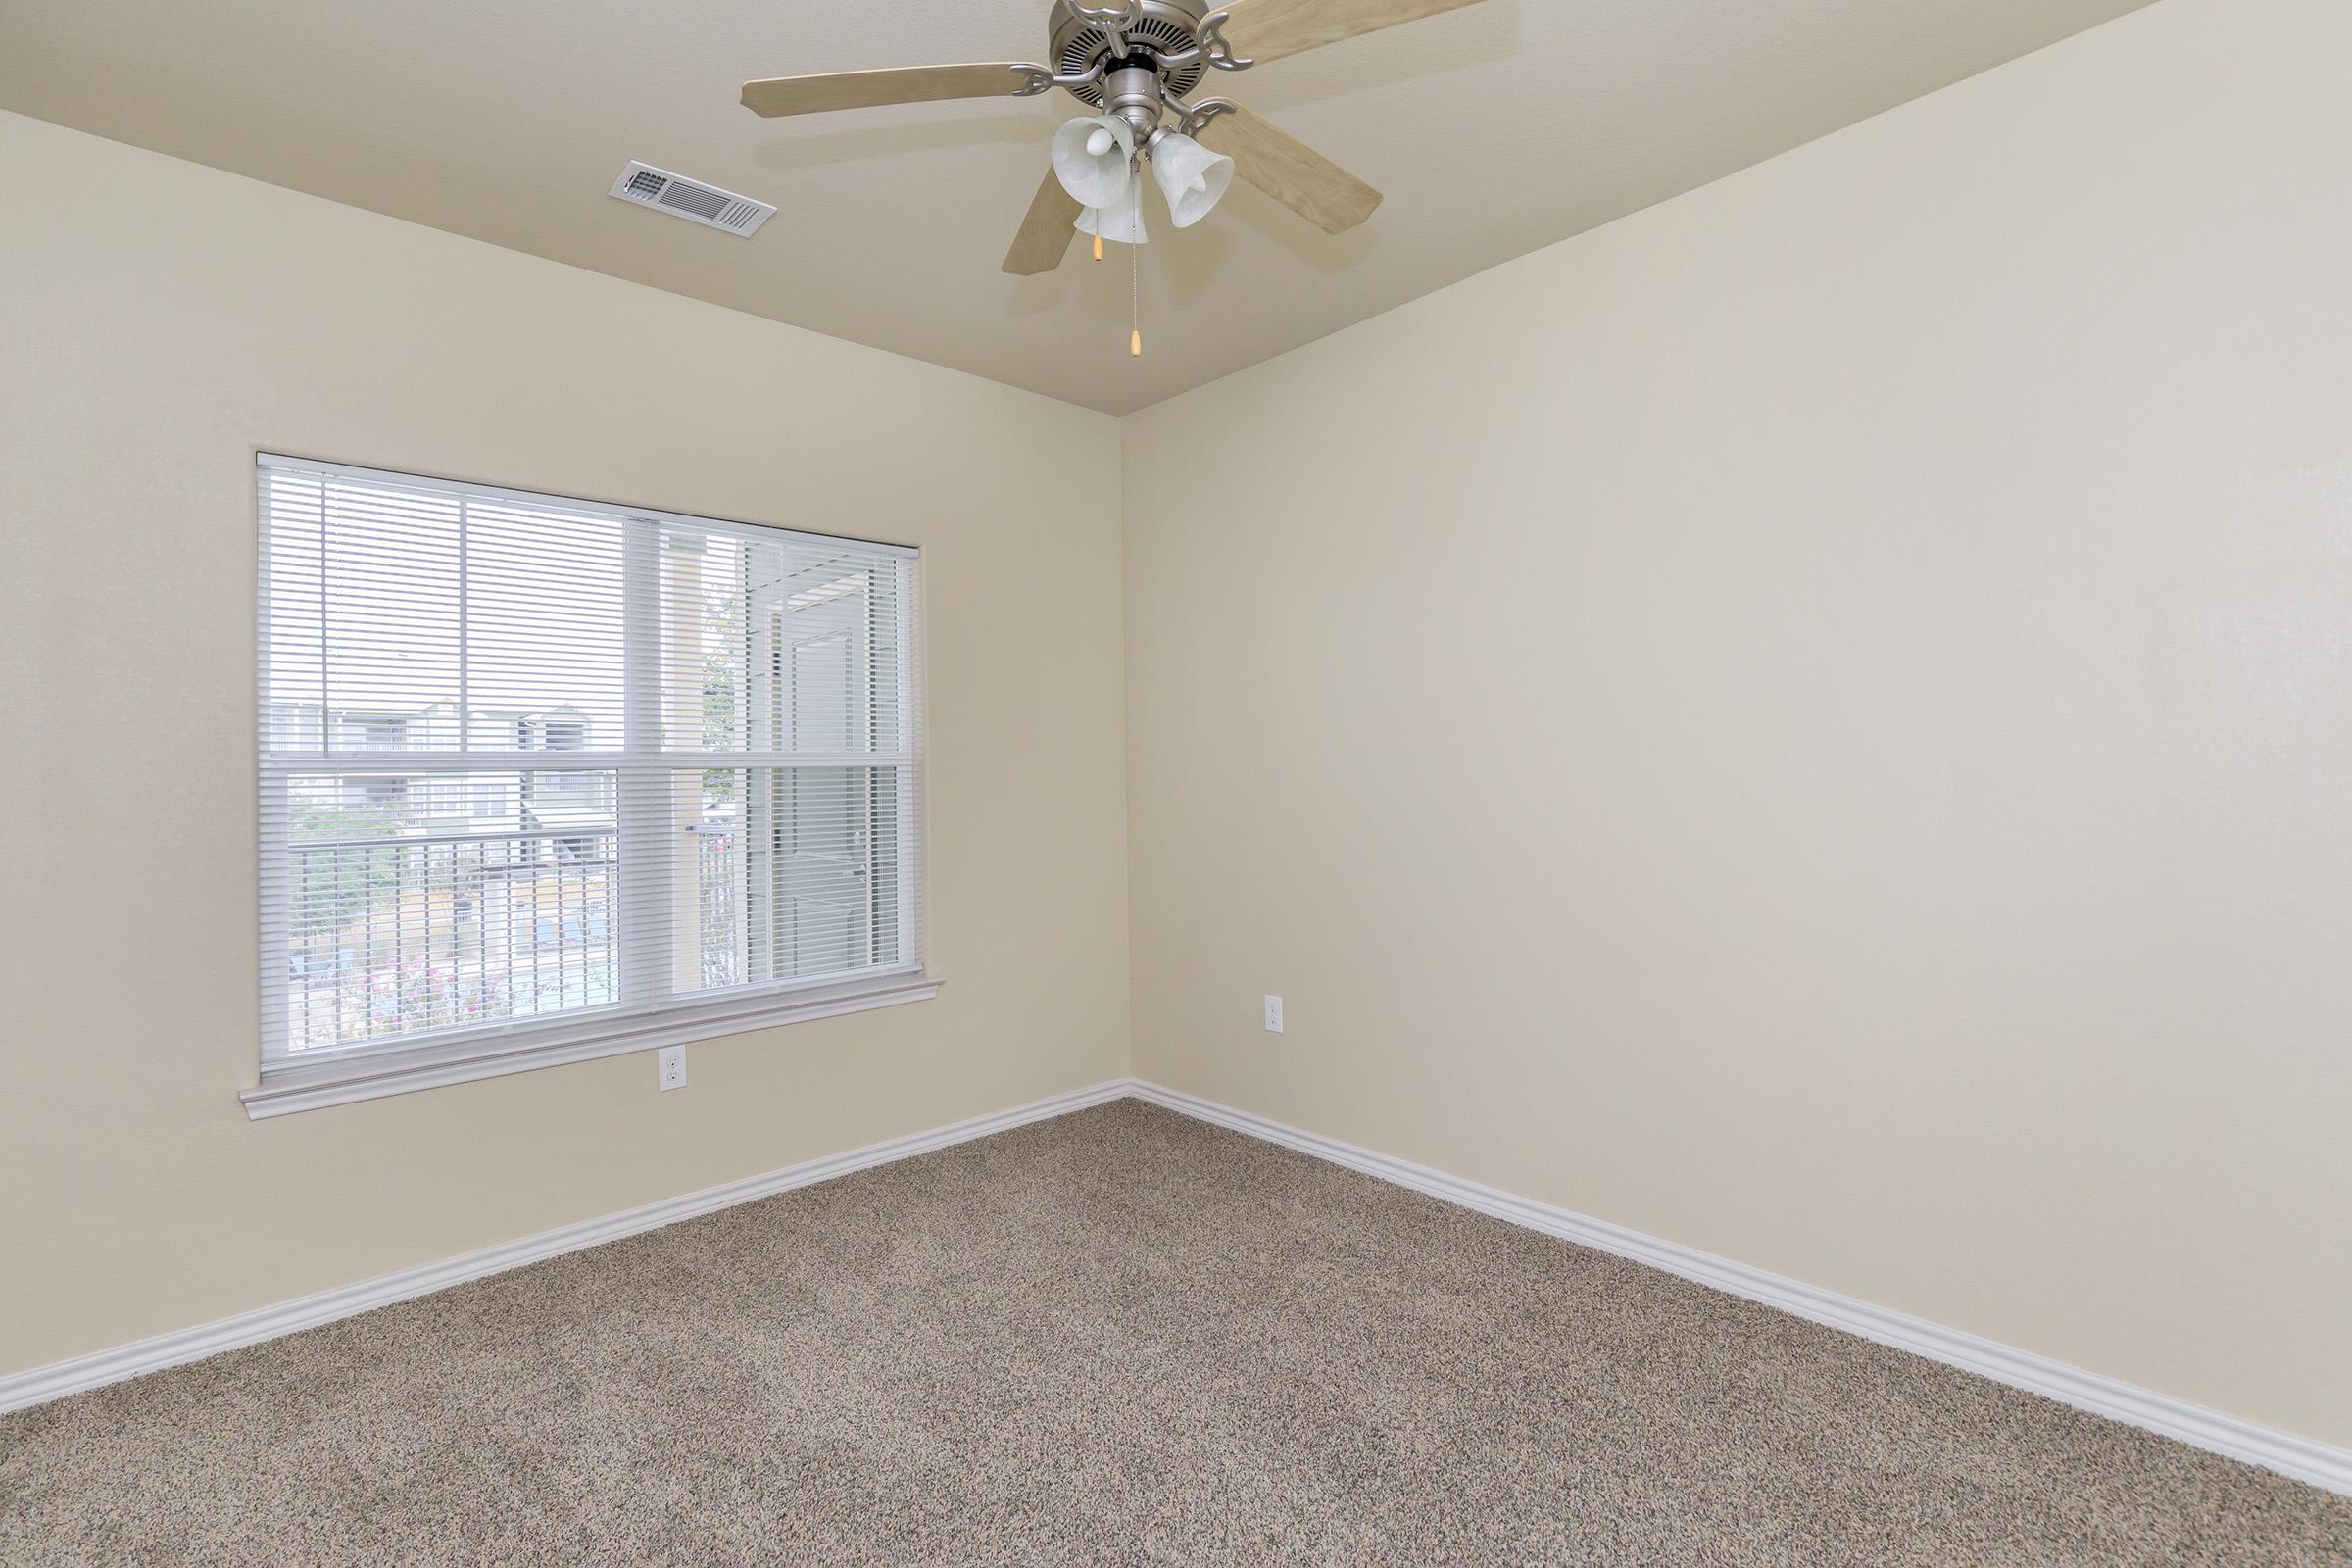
131 1360
2300 1457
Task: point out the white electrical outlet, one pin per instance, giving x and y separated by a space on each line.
1273 1015
672 1063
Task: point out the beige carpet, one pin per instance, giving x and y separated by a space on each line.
1117 1338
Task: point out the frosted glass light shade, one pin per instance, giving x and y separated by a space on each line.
1193 178
1094 158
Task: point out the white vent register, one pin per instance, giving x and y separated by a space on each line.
692 200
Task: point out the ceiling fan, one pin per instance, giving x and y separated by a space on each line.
1136 64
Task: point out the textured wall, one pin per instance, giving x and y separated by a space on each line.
1816 721
160 321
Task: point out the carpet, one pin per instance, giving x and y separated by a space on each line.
1122 1337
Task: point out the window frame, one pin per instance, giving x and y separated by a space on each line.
640 769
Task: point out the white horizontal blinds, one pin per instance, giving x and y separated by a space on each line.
787 656
542 628
419 620
363 599
443 900
796 873
783 645
525 760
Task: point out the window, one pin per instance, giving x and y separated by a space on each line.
728 838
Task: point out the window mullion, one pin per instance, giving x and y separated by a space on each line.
642 813
464 629
906 780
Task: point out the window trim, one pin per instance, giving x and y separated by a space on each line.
341 1075
402 1069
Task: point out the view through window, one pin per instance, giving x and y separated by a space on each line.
527 763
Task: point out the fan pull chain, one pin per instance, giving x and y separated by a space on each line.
1135 286
1097 247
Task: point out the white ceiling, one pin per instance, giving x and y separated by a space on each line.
1493 130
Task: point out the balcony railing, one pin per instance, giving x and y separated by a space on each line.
395 936
719 897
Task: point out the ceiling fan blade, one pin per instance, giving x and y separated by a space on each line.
1269 30
1290 172
1046 233
867 89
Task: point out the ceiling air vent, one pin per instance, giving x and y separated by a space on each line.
649 187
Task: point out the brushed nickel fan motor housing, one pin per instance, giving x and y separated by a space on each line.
1169 27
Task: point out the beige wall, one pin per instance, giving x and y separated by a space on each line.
158 322
1816 721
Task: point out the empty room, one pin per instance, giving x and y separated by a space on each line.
1337 782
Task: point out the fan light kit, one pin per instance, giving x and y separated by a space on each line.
1138 64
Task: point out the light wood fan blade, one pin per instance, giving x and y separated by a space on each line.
1046 233
1269 30
1290 172
867 89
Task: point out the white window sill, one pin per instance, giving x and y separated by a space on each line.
310 1085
